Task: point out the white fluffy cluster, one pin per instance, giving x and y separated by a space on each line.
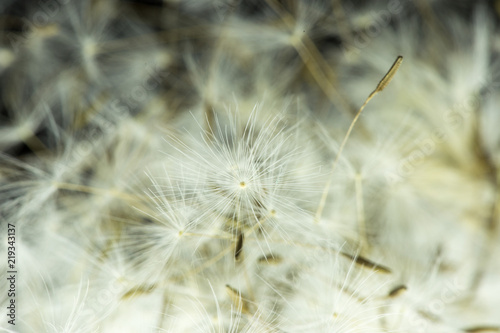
184 166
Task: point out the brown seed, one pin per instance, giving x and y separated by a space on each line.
239 246
367 263
397 291
390 74
270 259
238 301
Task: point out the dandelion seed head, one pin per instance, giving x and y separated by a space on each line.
185 167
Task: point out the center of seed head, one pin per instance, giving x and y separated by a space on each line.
243 184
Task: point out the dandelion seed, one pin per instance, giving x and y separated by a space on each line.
249 174
138 291
270 259
239 246
397 291
366 263
240 303
382 84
